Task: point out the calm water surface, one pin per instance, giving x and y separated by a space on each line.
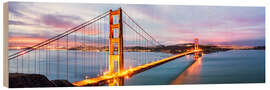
236 66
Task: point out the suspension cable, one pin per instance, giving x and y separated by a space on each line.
137 32
142 29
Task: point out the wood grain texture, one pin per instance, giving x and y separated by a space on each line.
5 46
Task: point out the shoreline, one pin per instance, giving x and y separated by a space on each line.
23 80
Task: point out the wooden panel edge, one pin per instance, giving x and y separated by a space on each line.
5 45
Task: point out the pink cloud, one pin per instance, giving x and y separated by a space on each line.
58 21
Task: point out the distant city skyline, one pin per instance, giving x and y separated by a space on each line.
31 23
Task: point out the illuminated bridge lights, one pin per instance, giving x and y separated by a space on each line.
129 72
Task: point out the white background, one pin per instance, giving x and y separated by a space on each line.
264 86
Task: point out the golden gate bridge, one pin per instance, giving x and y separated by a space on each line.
73 54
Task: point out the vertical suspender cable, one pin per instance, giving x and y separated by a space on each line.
94 69
35 66
58 67
87 53
28 62
84 50
49 58
22 64
67 64
103 43
46 59
17 63
106 46
99 60
91 47
39 59
75 54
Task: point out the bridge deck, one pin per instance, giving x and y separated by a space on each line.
131 71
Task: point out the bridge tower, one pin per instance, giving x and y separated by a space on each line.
196 47
196 44
116 45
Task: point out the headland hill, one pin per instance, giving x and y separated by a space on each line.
172 49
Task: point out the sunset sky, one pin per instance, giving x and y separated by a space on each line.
224 25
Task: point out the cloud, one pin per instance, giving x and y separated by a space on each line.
246 21
12 22
24 41
171 24
13 8
59 21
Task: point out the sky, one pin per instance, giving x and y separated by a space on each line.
30 23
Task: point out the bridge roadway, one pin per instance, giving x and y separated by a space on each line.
132 71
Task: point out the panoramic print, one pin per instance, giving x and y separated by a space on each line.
80 44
